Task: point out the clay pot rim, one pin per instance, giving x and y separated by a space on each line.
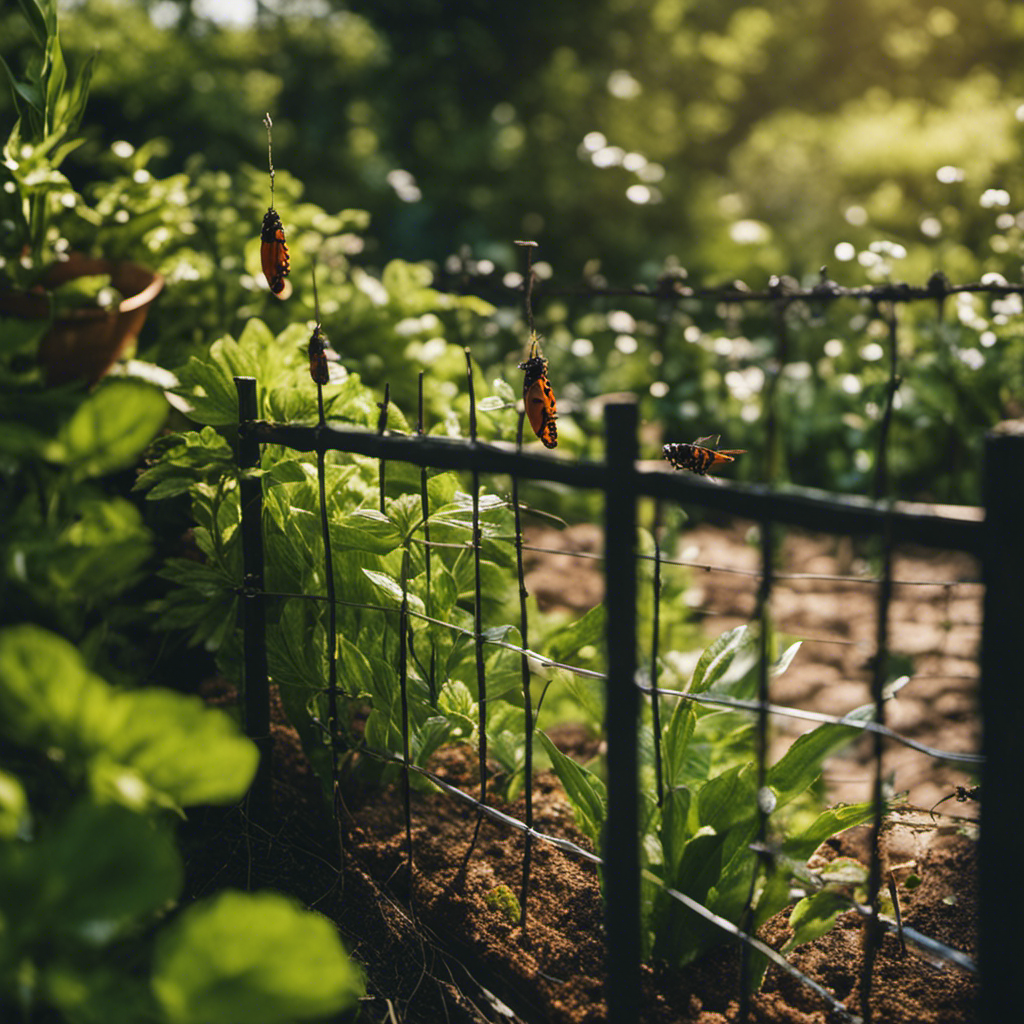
38 301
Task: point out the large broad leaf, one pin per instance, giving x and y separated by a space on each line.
815 915
586 791
365 529
679 934
191 753
237 958
89 876
142 747
801 764
110 429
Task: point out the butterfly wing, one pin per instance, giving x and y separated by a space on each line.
273 251
539 400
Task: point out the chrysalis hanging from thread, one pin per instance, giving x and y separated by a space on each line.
539 396
318 344
273 250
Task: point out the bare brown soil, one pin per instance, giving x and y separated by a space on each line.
434 950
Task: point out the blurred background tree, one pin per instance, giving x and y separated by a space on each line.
735 139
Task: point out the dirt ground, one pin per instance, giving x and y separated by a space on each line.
435 951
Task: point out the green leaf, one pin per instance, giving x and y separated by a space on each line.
13 806
110 428
191 753
675 828
813 916
491 404
587 630
88 876
801 764
393 589
721 654
105 867
586 791
829 823
238 957
676 742
38 22
78 96
91 994
366 529
141 747
728 799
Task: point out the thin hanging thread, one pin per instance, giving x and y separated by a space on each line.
270 163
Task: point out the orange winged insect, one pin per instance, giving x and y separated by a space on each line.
700 457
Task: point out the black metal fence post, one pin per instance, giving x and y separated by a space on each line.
621 838
1001 945
256 704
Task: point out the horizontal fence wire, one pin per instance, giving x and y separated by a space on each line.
736 571
736 703
673 287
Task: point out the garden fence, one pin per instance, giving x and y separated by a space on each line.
997 540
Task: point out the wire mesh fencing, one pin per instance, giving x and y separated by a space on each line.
629 683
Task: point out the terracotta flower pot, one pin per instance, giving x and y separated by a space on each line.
83 344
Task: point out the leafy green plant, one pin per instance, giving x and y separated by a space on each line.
49 107
698 841
377 557
91 779
72 546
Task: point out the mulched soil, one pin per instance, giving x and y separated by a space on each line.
434 951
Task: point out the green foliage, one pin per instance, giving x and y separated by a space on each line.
698 841
70 546
49 106
503 900
291 964
89 868
147 748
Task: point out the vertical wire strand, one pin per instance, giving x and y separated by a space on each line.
425 513
881 482
763 794
332 615
478 638
404 631
256 679
872 929
655 636
524 664
382 425
621 843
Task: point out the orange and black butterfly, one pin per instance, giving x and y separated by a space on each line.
700 457
539 397
274 251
